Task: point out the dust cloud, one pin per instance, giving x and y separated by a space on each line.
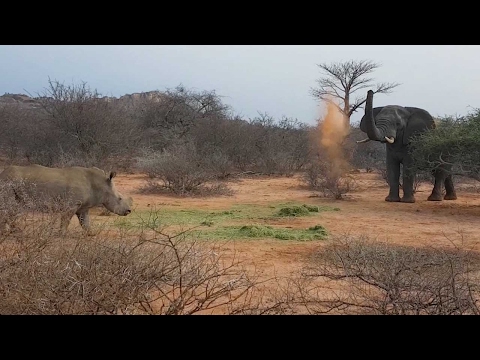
334 128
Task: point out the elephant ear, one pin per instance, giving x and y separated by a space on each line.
376 110
419 121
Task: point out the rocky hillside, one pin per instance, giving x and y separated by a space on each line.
20 99
127 100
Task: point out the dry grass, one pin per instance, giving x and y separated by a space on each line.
146 272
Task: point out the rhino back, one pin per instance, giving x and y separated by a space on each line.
77 184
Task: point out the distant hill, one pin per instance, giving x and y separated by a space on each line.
20 99
127 100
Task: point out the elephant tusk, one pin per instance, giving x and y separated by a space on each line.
363 141
390 140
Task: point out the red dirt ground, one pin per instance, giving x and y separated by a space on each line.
362 212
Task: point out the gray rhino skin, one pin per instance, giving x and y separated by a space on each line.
77 189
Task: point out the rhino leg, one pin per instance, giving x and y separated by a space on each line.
65 221
84 219
4 228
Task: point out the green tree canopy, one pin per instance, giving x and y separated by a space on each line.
455 141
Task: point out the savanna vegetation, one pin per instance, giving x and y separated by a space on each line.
190 143
455 142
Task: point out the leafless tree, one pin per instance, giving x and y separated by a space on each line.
16 130
72 124
281 146
180 110
88 128
341 79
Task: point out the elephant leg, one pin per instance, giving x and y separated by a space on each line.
393 175
450 193
408 182
436 194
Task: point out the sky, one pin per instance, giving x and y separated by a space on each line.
252 79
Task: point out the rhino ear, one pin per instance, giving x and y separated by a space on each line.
112 175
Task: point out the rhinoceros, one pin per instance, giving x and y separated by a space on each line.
76 189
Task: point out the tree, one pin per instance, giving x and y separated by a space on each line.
81 127
180 110
455 142
342 79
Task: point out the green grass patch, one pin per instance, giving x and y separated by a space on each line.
293 211
302 210
317 232
187 218
123 223
238 215
311 208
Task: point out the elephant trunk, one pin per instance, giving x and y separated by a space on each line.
372 130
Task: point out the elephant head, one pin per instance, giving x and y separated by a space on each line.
392 123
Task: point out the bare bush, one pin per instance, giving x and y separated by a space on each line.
320 177
143 272
15 205
212 188
262 144
360 276
15 130
181 170
281 147
21 205
235 138
217 163
278 163
10 209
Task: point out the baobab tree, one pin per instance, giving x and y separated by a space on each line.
342 79
332 146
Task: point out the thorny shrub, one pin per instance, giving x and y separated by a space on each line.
182 170
375 277
319 176
119 272
18 201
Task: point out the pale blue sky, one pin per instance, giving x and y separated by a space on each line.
276 79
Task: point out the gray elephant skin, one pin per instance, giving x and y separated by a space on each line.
78 189
395 125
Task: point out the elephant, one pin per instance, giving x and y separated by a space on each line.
395 125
